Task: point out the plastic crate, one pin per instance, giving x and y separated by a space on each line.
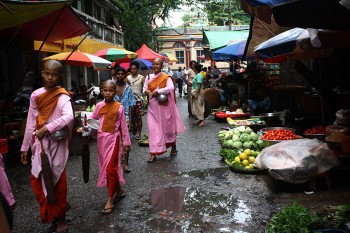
3 146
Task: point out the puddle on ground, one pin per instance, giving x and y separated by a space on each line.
180 209
219 173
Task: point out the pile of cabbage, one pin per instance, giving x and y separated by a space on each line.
240 138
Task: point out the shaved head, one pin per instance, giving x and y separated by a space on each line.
159 59
53 65
110 83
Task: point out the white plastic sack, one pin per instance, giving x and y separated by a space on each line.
296 161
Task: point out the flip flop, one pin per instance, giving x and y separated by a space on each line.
107 211
151 160
120 197
127 170
173 154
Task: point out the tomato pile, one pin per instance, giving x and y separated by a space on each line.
320 129
280 134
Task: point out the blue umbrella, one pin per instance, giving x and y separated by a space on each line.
295 44
261 8
143 64
230 52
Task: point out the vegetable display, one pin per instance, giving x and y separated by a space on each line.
320 129
240 146
280 134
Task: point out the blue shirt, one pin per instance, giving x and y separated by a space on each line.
127 100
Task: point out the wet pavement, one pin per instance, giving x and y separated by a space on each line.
192 192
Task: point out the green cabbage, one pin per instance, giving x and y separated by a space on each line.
248 145
248 130
254 137
237 145
228 135
244 138
260 143
235 138
236 132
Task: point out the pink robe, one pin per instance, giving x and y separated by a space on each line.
61 117
106 142
164 121
5 187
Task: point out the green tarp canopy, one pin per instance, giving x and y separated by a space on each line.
219 39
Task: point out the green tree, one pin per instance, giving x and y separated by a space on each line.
186 18
217 11
138 16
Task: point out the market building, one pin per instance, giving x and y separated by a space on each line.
187 43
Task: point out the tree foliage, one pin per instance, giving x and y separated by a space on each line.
137 18
217 11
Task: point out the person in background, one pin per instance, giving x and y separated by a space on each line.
112 135
179 80
216 72
262 102
188 78
169 72
163 118
124 94
5 187
136 82
50 110
204 74
198 95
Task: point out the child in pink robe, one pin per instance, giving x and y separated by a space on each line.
107 143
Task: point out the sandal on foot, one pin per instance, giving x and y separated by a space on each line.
107 211
119 197
64 229
151 159
173 154
127 170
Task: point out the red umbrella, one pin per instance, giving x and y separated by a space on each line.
148 54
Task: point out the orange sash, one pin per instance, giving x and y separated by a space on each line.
160 82
110 111
46 104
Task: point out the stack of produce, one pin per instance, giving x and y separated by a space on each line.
320 129
240 146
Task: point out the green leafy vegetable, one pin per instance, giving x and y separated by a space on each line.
293 218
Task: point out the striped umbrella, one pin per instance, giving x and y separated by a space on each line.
81 59
118 55
171 57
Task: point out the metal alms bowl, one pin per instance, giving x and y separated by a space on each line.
162 98
59 134
93 123
272 116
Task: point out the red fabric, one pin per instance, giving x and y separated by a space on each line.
148 54
112 171
47 211
68 25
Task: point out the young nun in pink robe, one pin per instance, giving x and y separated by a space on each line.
50 110
112 133
164 120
